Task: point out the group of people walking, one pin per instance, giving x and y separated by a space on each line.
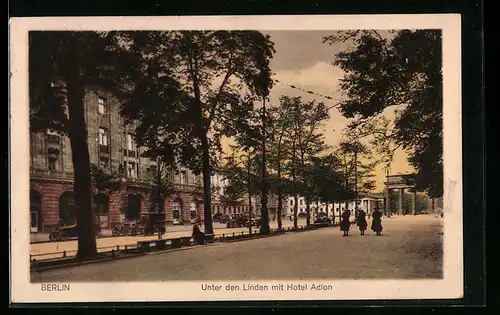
361 222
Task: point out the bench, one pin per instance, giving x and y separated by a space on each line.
209 238
320 225
181 241
145 246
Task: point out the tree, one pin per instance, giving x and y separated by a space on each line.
306 141
402 70
105 184
62 66
216 77
327 180
278 125
357 168
241 174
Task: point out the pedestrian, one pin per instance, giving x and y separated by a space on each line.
377 221
344 222
198 236
361 221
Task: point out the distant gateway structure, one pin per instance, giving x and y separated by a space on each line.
400 182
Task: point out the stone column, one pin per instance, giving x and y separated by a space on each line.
201 210
115 203
414 203
186 212
401 201
49 210
388 202
144 203
169 215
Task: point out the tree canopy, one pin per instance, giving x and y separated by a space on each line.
401 71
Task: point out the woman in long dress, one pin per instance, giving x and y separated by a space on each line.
198 236
344 222
361 221
377 221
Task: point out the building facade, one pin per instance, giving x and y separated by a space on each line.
111 146
366 203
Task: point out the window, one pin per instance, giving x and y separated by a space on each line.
103 161
182 178
100 106
291 202
153 171
301 202
130 143
52 164
103 137
131 170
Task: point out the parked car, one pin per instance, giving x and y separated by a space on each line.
195 221
127 228
221 218
322 221
302 215
217 216
65 232
176 221
256 222
237 222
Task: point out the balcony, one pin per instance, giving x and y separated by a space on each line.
53 152
188 188
53 139
50 174
103 149
130 153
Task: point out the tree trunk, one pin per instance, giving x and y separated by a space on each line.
249 196
77 133
356 181
207 174
280 195
295 211
264 228
308 212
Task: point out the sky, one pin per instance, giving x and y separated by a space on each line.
302 60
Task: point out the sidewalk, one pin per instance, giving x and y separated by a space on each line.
106 243
44 237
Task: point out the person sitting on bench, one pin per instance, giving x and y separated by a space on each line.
198 236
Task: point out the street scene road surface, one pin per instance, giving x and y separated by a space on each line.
48 250
411 247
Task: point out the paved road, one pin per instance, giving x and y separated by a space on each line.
44 237
46 249
410 248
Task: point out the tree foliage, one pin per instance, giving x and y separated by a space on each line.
211 80
299 138
403 70
63 65
103 181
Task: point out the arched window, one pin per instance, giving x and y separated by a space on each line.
100 206
35 210
67 208
133 207
194 213
156 203
176 209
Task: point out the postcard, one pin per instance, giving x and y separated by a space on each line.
235 158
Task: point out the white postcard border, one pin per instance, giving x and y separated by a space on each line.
451 286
